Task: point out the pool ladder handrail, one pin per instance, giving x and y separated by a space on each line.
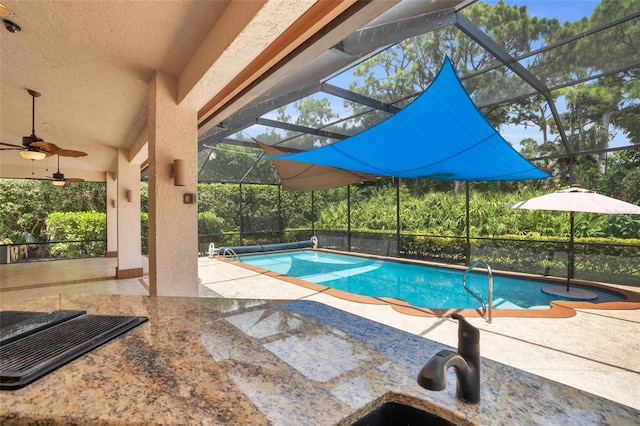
229 251
482 302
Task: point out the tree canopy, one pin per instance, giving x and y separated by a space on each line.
593 111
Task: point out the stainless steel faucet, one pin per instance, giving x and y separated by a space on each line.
466 363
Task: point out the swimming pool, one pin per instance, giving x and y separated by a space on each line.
421 286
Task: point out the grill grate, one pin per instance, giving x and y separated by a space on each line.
18 323
8 318
39 352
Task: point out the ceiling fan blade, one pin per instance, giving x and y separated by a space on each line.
11 145
59 179
45 146
69 153
53 149
34 143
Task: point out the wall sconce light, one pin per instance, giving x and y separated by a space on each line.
129 195
113 203
178 170
188 198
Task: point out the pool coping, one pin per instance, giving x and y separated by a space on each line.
558 308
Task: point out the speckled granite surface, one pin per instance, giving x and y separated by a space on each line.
251 362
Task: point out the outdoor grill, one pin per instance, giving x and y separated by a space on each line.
32 344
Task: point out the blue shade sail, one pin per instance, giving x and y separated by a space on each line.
311 177
441 135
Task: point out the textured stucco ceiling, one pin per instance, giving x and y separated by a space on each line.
92 61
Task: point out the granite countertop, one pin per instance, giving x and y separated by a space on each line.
255 362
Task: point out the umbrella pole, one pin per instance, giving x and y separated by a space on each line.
467 250
570 265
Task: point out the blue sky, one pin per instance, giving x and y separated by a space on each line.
563 10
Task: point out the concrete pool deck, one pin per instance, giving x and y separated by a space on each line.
595 350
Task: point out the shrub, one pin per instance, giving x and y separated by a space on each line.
144 230
209 224
80 234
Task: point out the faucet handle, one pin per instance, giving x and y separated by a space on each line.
468 337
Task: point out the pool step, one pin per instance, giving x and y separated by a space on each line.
504 304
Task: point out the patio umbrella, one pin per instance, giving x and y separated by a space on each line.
576 199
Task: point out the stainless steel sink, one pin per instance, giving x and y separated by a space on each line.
394 413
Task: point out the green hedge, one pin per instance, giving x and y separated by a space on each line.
82 234
209 223
144 230
596 259
611 260
433 248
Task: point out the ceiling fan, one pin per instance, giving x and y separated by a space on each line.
58 178
33 147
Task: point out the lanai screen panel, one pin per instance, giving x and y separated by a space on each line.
441 135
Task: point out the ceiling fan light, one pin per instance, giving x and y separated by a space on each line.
33 155
57 182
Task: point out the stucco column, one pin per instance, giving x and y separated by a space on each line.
129 228
112 215
173 223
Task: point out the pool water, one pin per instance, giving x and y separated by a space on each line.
419 285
